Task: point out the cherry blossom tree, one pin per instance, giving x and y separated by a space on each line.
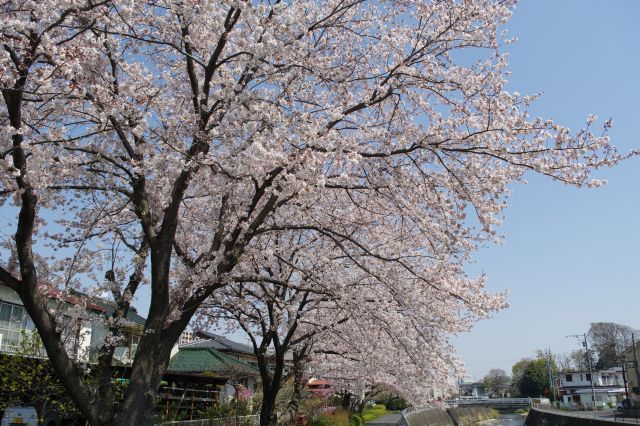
161 143
288 295
359 328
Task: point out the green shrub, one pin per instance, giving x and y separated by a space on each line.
356 420
493 413
395 404
321 420
372 413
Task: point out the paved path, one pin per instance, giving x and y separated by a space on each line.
604 416
388 420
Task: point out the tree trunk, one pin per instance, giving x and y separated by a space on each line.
298 383
151 362
271 384
268 410
346 400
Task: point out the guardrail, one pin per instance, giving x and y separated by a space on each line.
493 402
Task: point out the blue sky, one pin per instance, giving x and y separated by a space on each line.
571 256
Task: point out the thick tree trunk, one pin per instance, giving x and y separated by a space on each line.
139 406
298 383
150 364
271 384
346 400
268 410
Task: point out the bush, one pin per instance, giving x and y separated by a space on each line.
356 420
372 413
493 413
321 420
396 404
312 407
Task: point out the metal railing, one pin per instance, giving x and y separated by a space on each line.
493 402
252 420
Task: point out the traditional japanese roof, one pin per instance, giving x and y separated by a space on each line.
219 343
206 359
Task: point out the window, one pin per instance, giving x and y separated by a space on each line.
569 378
13 320
588 377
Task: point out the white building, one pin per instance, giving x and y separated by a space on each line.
575 387
83 336
186 337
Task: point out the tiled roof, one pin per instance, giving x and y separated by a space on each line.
201 360
219 343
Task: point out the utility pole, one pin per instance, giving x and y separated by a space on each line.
624 379
550 372
586 348
635 359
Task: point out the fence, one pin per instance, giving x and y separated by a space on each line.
253 420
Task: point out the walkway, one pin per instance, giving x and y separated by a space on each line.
388 420
603 416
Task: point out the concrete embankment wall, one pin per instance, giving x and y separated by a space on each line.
429 417
469 415
459 416
543 418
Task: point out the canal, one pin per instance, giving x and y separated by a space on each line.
506 420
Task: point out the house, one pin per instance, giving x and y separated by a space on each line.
201 375
575 387
76 332
83 334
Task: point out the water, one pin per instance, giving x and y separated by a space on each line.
507 420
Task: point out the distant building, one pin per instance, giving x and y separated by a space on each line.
473 390
186 337
574 387
319 388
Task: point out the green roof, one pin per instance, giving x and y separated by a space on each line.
202 360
